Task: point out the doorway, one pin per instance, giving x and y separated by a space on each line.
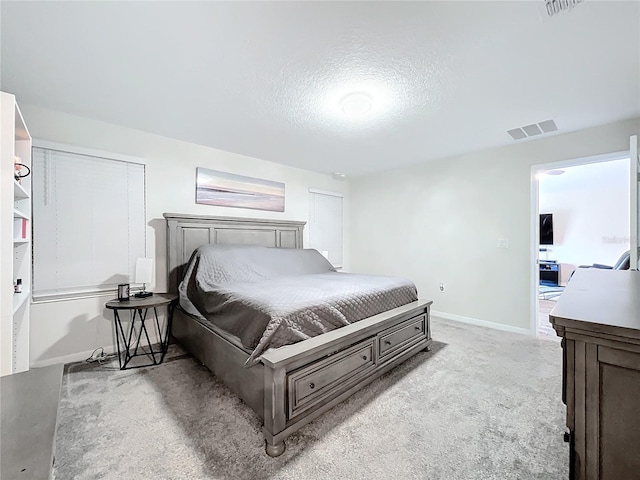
580 219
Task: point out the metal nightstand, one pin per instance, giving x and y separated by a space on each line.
138 310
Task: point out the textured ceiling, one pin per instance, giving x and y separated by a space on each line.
265 79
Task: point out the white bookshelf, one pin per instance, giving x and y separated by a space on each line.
15 239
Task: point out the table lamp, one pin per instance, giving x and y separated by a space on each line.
144 275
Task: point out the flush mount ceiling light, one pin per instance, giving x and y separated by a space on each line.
356 104
553 173
350 102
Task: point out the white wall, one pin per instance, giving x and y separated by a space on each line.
69 330
590 207
439 222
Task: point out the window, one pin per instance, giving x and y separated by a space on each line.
88 222
325 224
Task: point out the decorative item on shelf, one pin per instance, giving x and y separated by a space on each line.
20 228
17 169
17 287
123 292
144 275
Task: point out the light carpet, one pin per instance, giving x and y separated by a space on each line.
483 404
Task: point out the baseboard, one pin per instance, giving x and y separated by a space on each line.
72 357
481 323
80 356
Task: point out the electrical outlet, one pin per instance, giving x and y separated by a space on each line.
441 286
502 243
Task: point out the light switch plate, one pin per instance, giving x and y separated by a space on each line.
502 243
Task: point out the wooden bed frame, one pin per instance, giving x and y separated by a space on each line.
294 384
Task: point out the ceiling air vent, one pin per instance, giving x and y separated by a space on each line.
556 6
547 126
532 130
517 134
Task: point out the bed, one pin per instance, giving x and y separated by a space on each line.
291 385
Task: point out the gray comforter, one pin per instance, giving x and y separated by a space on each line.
271 297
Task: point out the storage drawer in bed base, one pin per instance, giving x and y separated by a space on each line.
316 383
329 377
396 339
275 439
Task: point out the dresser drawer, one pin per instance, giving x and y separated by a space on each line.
394 339
329 376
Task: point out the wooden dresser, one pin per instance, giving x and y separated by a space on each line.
598 316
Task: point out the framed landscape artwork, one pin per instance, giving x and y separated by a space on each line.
231 190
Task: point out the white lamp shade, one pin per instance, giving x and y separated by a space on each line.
144 270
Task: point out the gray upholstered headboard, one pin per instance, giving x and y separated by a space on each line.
186 232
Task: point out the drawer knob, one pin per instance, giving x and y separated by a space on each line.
387 342
364 357
312 385
418 327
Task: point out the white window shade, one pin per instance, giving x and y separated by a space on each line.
88 223
325 224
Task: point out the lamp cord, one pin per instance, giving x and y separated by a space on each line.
100 357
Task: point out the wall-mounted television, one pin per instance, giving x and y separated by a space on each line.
546 229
